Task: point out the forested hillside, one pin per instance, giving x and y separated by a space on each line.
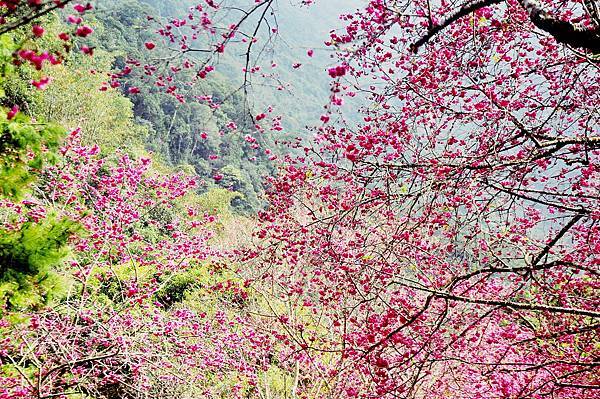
273 199
187 133
192 133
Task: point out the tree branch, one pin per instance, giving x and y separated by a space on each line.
557 238
465 10
35 14
563 31
514 305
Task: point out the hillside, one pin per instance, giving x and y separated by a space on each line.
175 129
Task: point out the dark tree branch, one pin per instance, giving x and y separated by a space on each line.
36 12
79 362
513 305
465 10
577 386
520 269
563 31
560 234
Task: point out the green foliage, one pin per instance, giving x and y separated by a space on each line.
25 144
27 258
7 48
218 201
176 133
28 251
24 148
74 100
175 287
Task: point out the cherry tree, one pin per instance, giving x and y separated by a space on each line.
121 328
448 245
